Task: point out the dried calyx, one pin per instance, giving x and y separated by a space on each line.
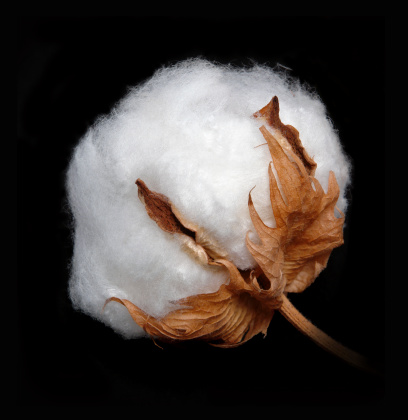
289 256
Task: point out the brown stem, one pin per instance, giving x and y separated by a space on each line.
322 339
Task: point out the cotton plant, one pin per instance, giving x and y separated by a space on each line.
206 196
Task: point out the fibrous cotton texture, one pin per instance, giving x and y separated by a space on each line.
190 134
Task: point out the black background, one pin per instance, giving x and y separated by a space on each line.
71 70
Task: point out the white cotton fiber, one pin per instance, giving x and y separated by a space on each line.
189 134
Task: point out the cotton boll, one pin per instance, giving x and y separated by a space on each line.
188 132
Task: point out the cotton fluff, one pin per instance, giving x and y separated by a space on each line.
189 134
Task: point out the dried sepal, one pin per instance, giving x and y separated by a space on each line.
225 318
160 209
195 241
307 229
287 135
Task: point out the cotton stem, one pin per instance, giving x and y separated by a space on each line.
322 339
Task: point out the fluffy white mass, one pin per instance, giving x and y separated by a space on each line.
189 134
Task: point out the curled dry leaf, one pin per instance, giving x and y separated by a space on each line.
290 255
226 318
287 135
195 240
306 230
